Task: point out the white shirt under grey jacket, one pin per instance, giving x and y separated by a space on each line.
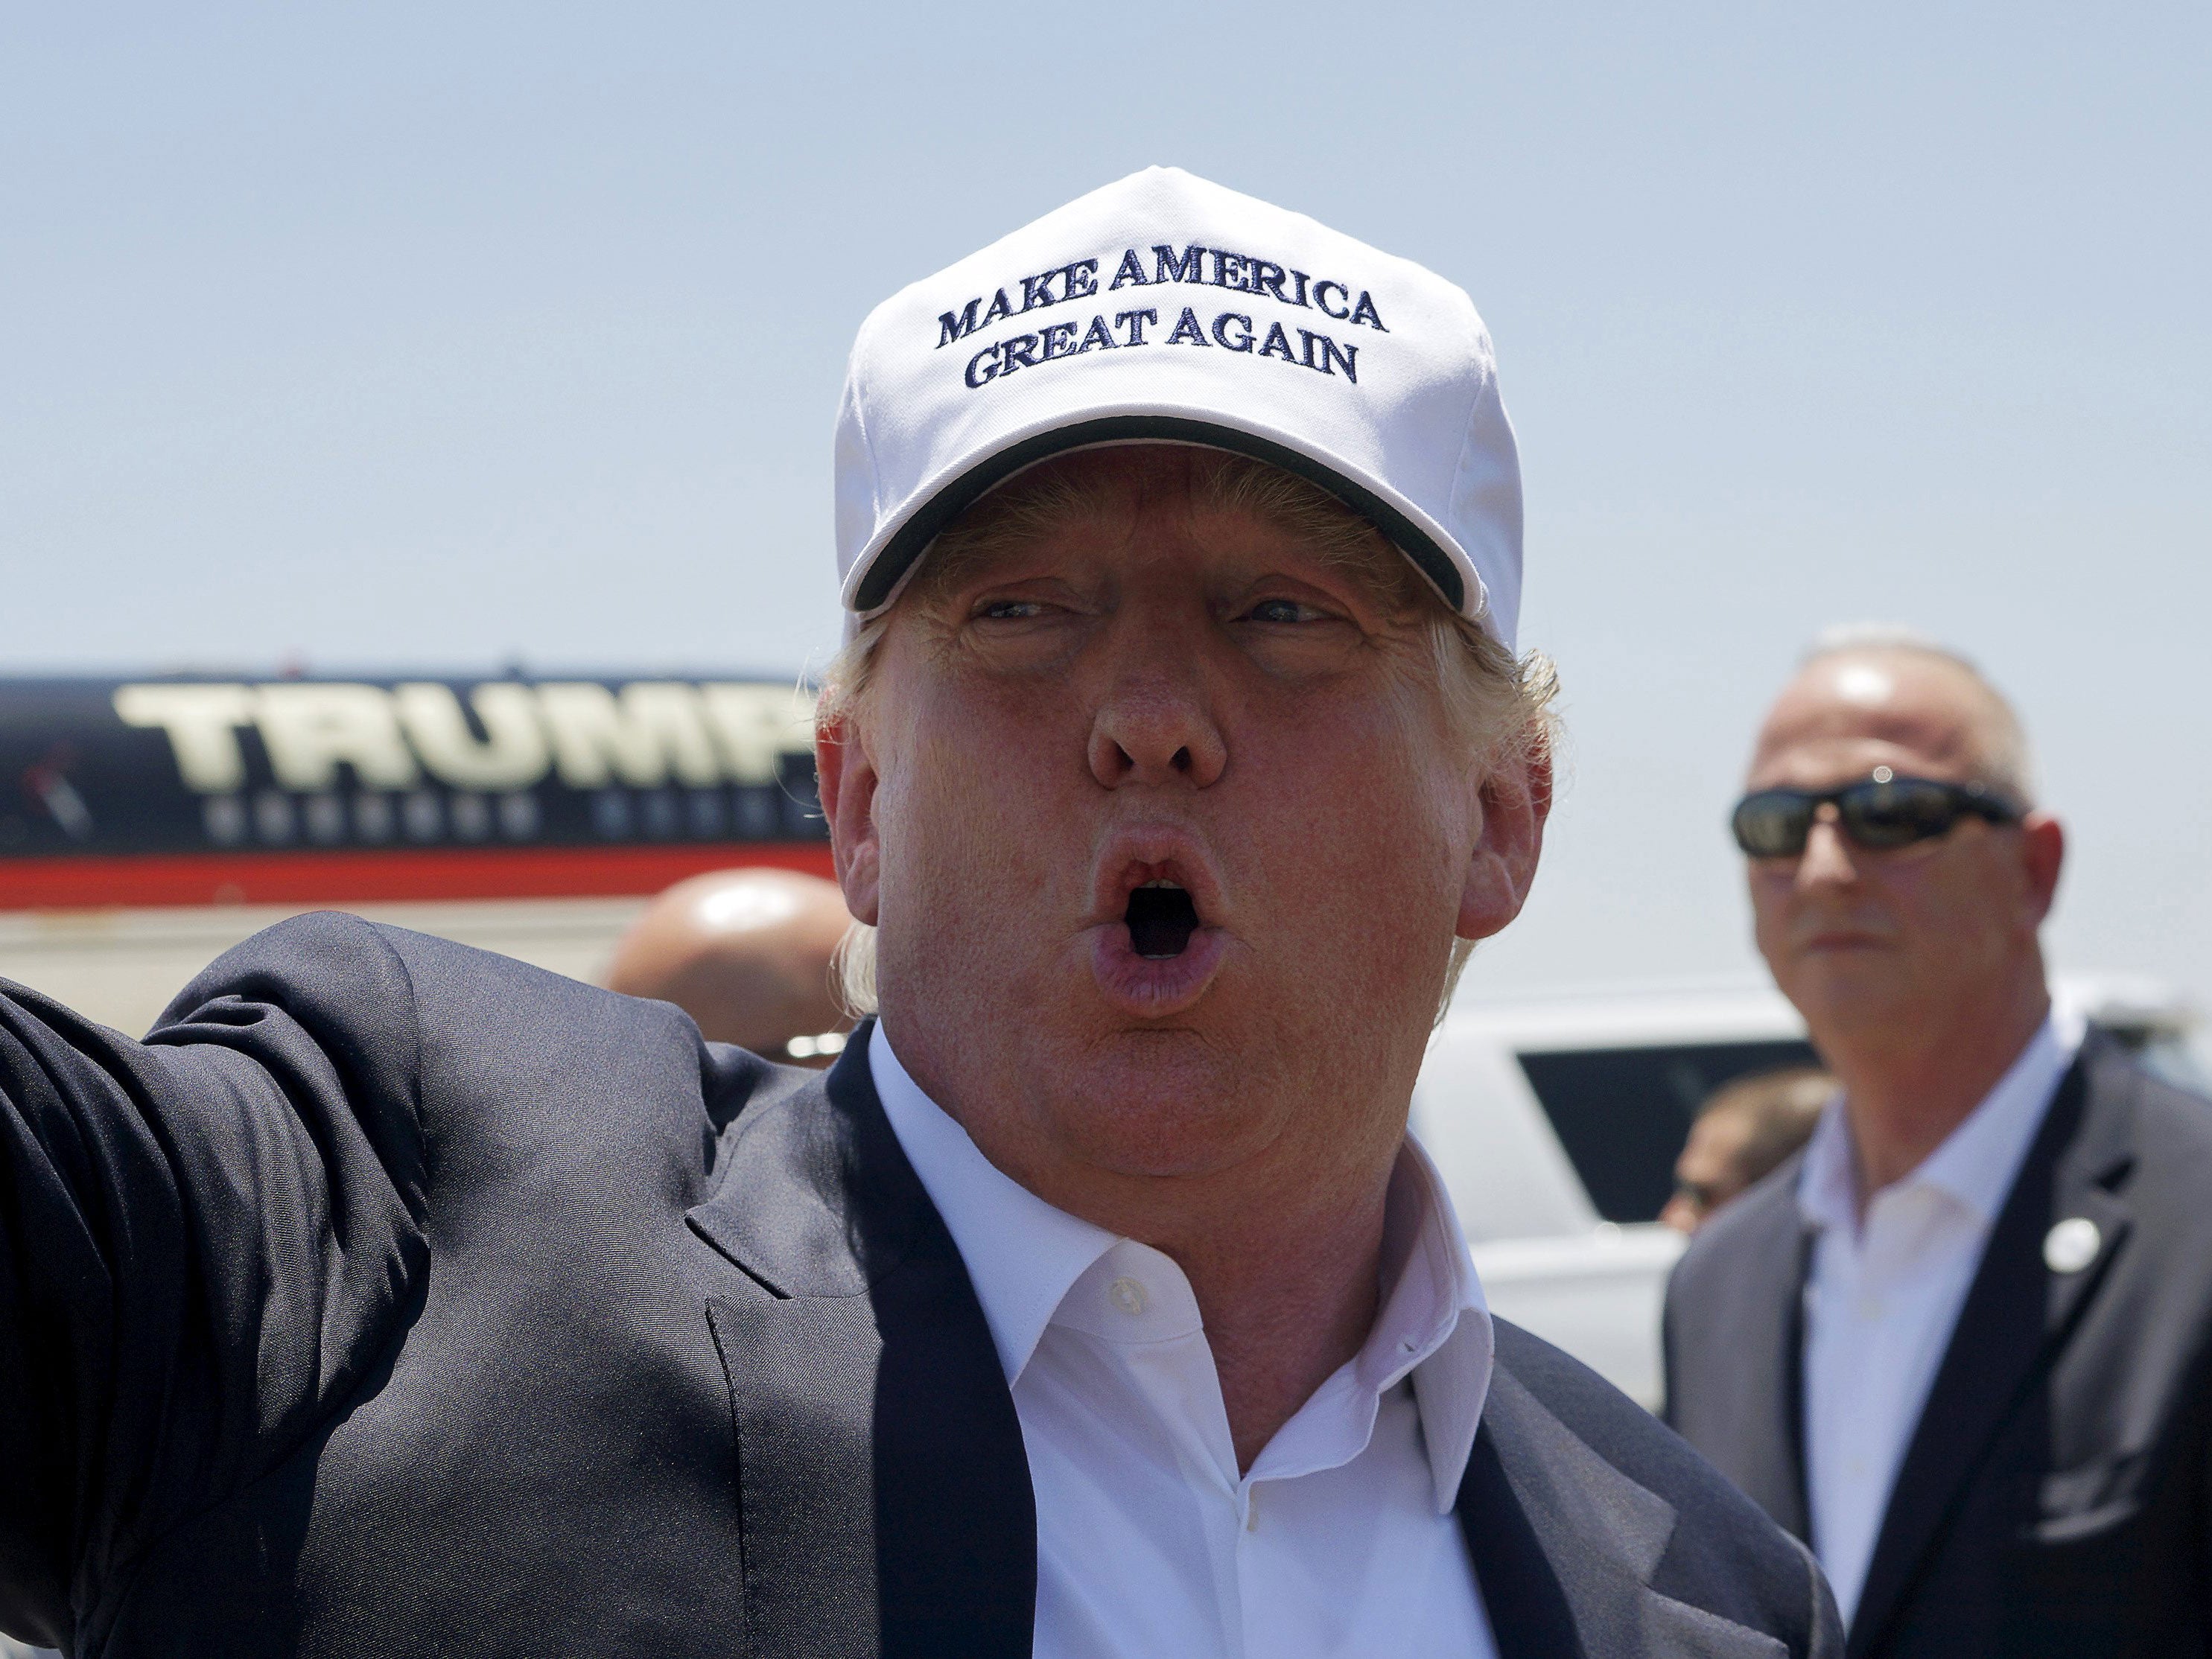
1885 1291
1339 1540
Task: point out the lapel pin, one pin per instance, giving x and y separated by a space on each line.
2071 1245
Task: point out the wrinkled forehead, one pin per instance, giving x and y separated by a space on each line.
1847 713
1166 504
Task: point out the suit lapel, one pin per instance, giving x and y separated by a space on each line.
2016 1314
884 1494
1735 1358
1761 1371
1564 1546
1528 1610
1779 1348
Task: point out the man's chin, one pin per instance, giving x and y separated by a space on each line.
1162 1104
1853 985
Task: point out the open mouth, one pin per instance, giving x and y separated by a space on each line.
1161 932
1161 919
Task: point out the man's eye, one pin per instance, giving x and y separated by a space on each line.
1283 611
1009 609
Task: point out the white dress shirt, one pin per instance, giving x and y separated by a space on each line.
1885 1291
1339 1540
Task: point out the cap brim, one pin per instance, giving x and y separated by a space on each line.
880 581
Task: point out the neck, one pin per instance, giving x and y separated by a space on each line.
1286 1273
1284 1305
1905 1095
1271 1201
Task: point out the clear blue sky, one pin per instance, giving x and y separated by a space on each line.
446 336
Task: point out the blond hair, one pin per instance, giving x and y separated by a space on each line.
1499 706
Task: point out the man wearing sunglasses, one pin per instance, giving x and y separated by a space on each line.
1962 1345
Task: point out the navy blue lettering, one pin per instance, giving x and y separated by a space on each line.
1170 267
1188 329
1096 335
1278 344
1364 312
1083 280
1229 269
1135 321
1020 352
983 366
999 310
1345 355
1299 277
1058 341
1267 278
1242 342
951 326
1038 291
1130 271
1318 288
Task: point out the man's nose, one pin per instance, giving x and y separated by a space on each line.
1156 726
1826 859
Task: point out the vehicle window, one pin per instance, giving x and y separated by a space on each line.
2164 1054
1623 1113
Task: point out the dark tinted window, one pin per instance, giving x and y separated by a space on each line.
1623 1113
2164 1054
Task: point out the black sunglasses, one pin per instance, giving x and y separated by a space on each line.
1879 812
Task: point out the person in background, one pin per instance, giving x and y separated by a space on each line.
749 955
1963 1346
1743 1131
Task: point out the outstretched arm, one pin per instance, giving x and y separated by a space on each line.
207 1239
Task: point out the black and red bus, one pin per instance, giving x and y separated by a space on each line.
275 790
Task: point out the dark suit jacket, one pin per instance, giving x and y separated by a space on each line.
2057 1496
395 1299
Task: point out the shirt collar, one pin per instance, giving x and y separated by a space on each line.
1024 1255
1434 1324
1976 1162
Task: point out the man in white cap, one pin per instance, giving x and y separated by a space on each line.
393 1298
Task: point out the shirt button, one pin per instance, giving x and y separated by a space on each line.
1855 1467
1868 1308
1127 1295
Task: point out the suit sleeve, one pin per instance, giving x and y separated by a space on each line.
206 1240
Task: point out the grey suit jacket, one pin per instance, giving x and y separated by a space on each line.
393 1298
2055 1496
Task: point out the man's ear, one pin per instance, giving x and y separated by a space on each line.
1517 799
845 774
2042 852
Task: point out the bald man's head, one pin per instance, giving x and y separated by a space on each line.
746 953
1881 945
1893 678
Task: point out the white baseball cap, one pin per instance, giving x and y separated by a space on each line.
1163 309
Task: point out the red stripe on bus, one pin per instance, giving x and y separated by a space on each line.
355 878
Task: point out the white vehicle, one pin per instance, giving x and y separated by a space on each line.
1556 1124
